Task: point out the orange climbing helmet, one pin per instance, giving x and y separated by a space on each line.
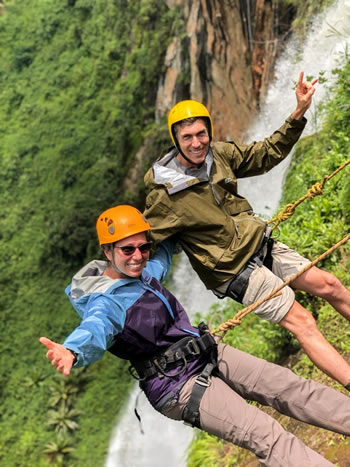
188 109
120 222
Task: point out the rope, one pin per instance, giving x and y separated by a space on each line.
315 190
236 320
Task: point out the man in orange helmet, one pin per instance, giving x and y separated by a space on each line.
184 373
193 196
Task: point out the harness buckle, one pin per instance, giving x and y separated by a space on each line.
203 381
192 347
134 373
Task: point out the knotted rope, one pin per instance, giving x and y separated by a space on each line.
315 190
236 320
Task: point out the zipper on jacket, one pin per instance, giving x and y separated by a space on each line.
218 202
247 219
236 228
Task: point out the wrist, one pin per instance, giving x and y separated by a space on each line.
298 114
75 356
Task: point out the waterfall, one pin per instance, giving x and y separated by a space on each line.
164 441
321 52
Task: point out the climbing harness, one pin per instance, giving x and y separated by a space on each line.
239 284
236 320
263 256
191 414
175 357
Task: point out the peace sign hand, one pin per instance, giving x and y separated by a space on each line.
304 92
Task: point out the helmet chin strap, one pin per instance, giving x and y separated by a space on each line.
115 267
198 166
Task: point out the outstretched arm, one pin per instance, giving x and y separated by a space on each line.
60 357
160 263
304 92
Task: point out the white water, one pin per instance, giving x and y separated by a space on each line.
321 52
165 441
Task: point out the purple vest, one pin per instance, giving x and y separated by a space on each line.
151 328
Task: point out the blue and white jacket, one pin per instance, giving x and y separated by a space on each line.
132 318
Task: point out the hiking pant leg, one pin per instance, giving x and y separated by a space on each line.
279 387
225 414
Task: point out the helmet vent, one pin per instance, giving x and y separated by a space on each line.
111 227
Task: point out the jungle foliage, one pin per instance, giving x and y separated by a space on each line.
304 12
78 80
77 89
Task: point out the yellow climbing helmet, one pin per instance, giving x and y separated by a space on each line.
120 222
188 109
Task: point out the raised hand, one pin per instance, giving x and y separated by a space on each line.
304 92
60 357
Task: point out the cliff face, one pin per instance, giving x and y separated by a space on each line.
224 57
225 60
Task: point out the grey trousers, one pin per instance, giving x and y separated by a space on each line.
225 413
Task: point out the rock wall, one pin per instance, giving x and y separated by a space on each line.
224 60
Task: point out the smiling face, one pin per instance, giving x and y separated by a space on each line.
194 142
128 265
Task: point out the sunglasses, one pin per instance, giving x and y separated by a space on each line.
129 250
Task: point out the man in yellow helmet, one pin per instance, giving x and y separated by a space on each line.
193 196
184 373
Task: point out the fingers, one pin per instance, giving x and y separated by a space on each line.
52 356
64 367
63 361
45 341
301 78
312 91
303 92
305 86
59 356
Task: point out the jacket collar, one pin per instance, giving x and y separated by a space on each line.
90 279
174 179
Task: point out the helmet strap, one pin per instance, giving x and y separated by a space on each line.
198 166
113 264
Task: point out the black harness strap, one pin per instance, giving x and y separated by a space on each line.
191 412
268 260
239 284
174 357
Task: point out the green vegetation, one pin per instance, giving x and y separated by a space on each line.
78 80
77 89
305 10
315 226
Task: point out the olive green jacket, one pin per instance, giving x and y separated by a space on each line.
214 224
